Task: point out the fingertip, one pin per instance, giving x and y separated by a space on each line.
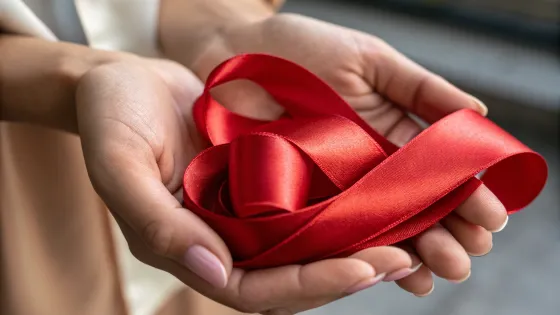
481 108
335 274
180 235
419 283
401 273
483 208
206 265
442 253
358 269
385 259
462 279
502 227
476 240
349 268
365 284
427 293
196 231
329 277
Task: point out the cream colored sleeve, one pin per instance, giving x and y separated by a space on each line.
123 25
16 17
126 25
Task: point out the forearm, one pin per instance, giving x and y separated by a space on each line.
187 27
38 79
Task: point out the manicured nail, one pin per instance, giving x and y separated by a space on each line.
482 109
462 280
501 227
484 254
206 265
427 293
401 273
364 284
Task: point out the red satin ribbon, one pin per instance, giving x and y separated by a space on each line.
320 182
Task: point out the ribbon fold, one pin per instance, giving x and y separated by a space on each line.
319 182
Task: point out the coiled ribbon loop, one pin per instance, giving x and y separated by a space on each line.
319 182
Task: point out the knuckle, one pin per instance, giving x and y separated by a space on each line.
158 237
379 53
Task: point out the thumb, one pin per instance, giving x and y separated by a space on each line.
168 229
415 89
124 170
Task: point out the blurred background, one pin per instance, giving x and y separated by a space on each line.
505 53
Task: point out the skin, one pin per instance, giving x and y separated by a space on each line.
383 86
136 152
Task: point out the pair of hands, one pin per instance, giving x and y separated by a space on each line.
138 137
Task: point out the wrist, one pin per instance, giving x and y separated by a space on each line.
187 28
39 80
69 69
71 65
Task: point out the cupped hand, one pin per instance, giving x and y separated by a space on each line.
384 87
137 135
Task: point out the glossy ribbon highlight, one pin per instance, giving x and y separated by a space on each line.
319 182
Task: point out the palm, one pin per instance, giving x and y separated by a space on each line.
382 86
137 151
137 138
155 120
334 53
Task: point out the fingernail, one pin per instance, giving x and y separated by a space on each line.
501 227
367 283
401 273
462 280
484 254
206 265
427 293
481 107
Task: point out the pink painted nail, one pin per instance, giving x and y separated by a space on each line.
401 273
364 284
206 265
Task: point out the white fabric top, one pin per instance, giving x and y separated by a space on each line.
126 25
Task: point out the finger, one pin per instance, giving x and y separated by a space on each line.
125 172
308 285
395 263
476 240
483 208
413 283
419 283
248 99
388 262
442 254
403 131
288 286
411 86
